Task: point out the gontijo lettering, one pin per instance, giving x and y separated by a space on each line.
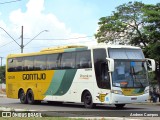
35 76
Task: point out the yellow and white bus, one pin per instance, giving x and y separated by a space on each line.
101 74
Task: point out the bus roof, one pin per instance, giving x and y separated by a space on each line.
104 45
59 49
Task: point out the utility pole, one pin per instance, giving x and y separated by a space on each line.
1 61
22 46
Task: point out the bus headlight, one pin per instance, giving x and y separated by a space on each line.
116 92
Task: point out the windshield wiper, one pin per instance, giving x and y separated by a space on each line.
134 76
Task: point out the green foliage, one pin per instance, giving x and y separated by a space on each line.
2 73
123 26
154 51
42 118
152 79
152 30
133 23
152 20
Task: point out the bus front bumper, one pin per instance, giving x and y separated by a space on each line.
119 99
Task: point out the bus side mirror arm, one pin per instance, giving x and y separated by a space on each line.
110 64
151 64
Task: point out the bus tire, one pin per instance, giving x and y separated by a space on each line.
87 99
30 97
22 97
119 106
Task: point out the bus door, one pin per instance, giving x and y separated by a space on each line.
102 75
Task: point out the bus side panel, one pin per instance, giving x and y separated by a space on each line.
12 85
37 81
72 83
83 81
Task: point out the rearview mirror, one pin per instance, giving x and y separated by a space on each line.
151 65
110 64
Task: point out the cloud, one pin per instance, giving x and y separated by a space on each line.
34 21
3 34
35 6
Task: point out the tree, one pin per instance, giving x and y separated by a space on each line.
125 26
154 52
152 30
151 18
2 73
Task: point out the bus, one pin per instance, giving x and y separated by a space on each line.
101 74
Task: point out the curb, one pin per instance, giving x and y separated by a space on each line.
3 95
157 103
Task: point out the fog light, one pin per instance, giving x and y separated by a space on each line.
116 92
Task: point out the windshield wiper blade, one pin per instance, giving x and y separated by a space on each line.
134 76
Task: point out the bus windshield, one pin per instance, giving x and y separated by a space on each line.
130 74
130 67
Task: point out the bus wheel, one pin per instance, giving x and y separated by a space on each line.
22 97
30 97
120 106
87 99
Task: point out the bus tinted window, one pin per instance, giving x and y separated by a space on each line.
83 59
120 53
28 63
68 60
19 64
11 64
52 61
40 62
101 68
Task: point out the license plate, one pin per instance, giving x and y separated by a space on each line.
134 98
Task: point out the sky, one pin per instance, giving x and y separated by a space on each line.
50 23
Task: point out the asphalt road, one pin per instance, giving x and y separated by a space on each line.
66 109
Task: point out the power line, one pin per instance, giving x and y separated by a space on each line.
48 46
60 38
48 39
10 1
7 43
60 44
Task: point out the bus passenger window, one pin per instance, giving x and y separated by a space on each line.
83 59
52 61
19 64
28 63
84 63
68 60
40 62
11 65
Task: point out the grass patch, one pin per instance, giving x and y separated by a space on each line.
43 118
